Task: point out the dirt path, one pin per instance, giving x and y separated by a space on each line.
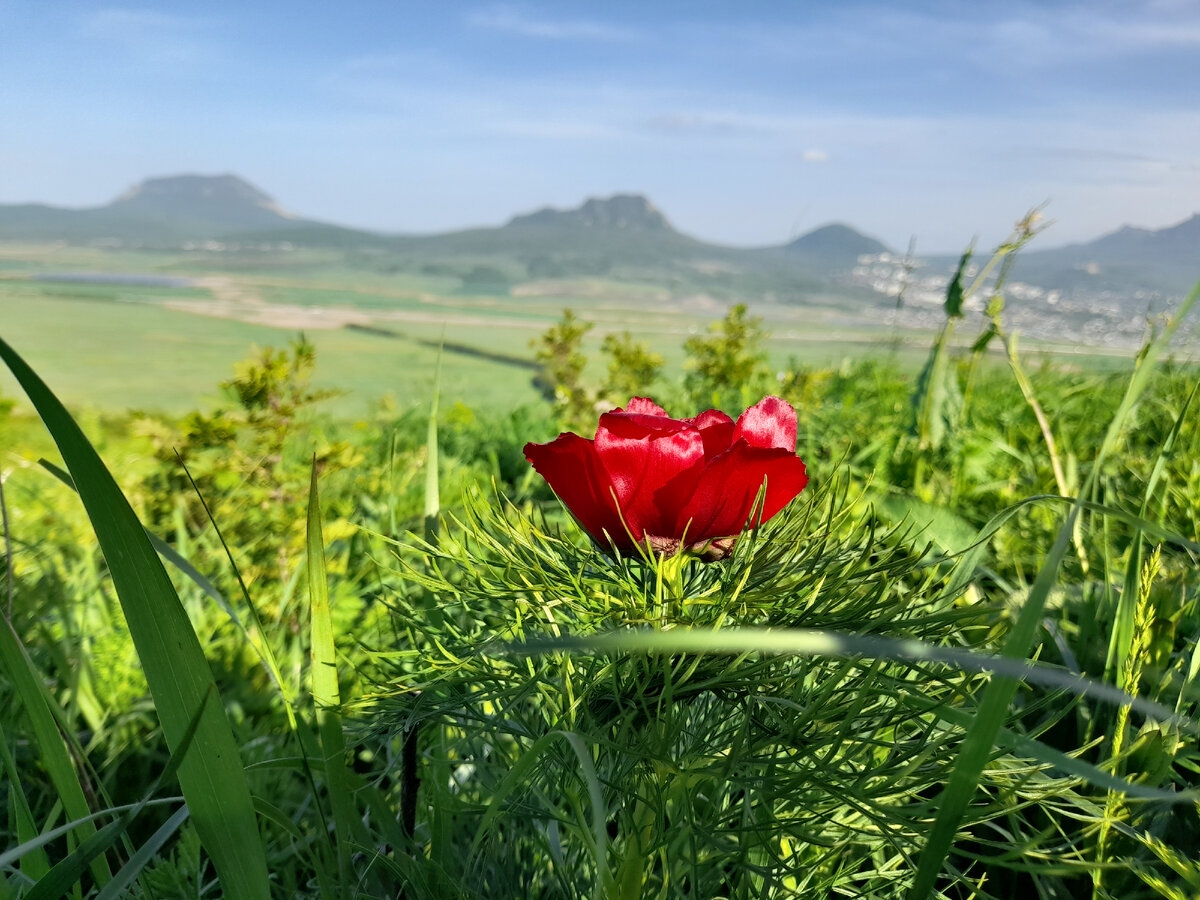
234 300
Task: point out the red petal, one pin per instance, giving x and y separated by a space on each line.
717 430
769 423
644 406
572 468
725 493
652 464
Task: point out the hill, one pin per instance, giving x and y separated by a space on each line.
623 212
166 212
1127 260
622 238
836 243
219 201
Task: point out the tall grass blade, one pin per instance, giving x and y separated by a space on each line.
179 677
167 552
256 639
35 865
993 708
59 880
67 872
813 642
1122 633
522 768
432 499
326 695
32 693
130 871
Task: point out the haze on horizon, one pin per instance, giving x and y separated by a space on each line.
745 124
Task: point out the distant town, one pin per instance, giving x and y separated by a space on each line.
1101 318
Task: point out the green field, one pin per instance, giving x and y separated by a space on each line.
116 346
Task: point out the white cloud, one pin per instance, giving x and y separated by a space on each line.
151 36
814 156
511 20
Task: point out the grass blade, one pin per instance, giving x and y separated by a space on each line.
1122 633
326 694
36 864
177 672
813 642
54 755
68 871
432 500
8 857
522 768
130 871
993 708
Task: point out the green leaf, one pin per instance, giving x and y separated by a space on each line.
954 293
179 676
937 402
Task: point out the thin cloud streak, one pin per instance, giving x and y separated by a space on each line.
511 20
150 36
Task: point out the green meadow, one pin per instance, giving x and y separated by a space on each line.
120 346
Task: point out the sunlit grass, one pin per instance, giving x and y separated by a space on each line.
524 716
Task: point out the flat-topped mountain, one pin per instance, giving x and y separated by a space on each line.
158 211
626 212
220 200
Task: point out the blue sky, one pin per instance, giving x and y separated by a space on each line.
746 123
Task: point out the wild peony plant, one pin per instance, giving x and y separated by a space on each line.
618 718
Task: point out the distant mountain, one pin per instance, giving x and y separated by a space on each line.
165 211
222 201
626 236
835 243
623 237
624 212
618 238
1129 259
1141 244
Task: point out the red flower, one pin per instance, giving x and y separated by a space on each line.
654 481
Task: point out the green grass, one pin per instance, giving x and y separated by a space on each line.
705 752
427 682
116 356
